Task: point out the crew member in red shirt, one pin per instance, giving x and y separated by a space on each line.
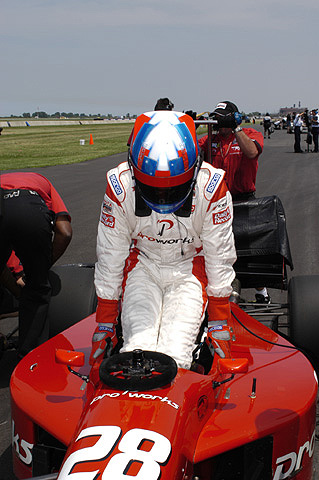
236 150
36 224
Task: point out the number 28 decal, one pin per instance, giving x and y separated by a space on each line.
130 452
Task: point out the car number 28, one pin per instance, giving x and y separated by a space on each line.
129 447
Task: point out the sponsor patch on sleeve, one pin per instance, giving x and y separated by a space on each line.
114 181
212 184
107 220
221 217
107 207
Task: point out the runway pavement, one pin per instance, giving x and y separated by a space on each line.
293 177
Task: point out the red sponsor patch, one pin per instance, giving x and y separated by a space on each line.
221 217
108 220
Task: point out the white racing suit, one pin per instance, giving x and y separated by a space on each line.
164 266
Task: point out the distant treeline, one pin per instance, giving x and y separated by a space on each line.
62 115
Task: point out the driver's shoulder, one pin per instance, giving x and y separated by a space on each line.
120 181
209 179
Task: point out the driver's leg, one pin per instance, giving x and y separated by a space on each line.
184 305
141 310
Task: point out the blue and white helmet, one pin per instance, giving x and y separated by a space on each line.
164 157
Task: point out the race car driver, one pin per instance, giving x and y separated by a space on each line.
236 150
37 226
165 245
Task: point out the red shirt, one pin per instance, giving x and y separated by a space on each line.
240 171
37 183
14 264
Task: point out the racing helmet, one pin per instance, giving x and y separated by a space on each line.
164 159
224 113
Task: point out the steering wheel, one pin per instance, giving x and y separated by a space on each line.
138 370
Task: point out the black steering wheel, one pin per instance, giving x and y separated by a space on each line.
138 370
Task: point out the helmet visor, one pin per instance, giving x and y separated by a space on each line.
165 200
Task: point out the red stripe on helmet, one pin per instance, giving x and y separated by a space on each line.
184 156
141 119
143 153
163 181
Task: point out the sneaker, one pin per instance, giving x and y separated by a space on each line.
218 340
262 298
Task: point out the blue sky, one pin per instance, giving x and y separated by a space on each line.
120 56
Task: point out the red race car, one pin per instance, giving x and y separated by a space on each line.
137 416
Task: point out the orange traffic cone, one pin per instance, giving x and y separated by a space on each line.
91 139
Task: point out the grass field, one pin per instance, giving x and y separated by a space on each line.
27 147
23 147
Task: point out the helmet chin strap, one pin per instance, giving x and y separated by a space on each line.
129 161
141 207
197 168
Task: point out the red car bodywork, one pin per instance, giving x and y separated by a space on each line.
172 432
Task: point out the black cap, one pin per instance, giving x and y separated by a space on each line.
225 108
223 115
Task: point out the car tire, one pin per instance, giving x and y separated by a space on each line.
303 301
73 296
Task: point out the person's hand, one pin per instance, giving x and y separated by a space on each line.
21 281
8 280
104 341
218 339
236 120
